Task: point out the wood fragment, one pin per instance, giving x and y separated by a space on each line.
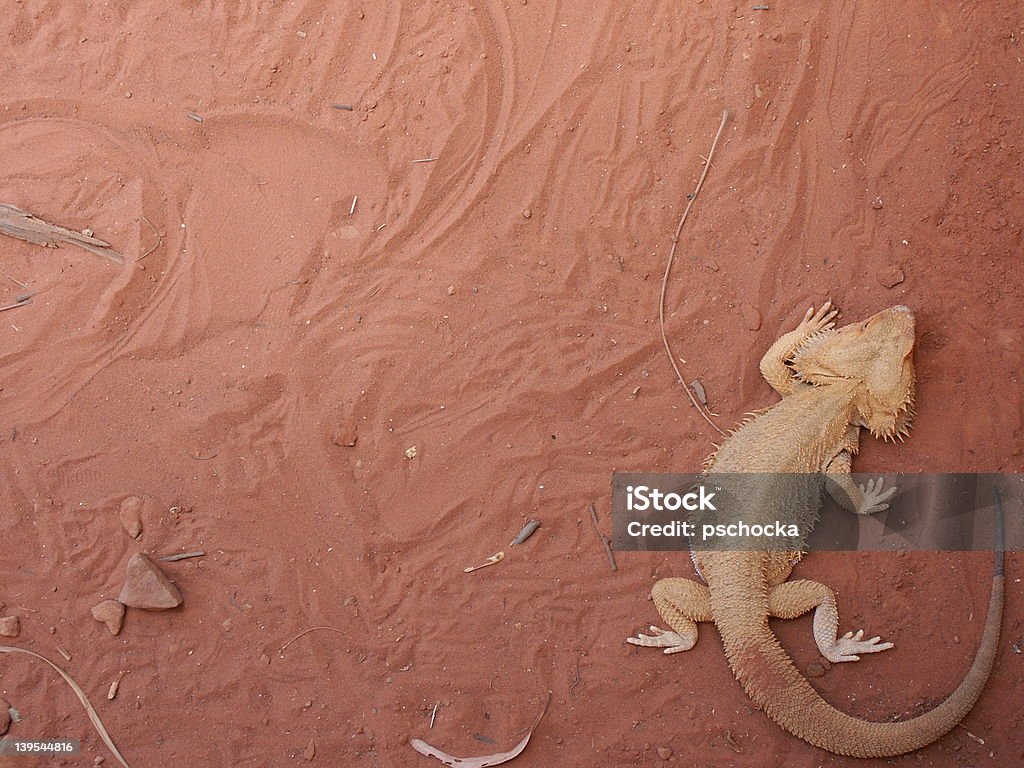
433 714
15 305
604 539
426 160
62 652
182 556
345 107
112 691
352 210
698 390
16 280
24 226
528 530
194 116
692 197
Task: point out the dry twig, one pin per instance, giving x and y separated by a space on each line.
668 268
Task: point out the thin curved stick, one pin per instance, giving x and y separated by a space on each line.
668 268
307 631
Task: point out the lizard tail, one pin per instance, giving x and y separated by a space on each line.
772 681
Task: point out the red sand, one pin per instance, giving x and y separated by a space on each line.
214 377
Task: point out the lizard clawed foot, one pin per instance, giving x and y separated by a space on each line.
671 641
822 320
849 645
875 499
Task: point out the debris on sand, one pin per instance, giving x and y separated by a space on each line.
146 586
528 530
890 277
10 626
492 560
130 514
484 760
24 226
110 613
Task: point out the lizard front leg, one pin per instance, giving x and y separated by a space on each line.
861 499
773 364
795 598
681 603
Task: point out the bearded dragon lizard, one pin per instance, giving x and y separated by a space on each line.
833 382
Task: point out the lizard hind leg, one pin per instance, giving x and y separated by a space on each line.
681 603
795 598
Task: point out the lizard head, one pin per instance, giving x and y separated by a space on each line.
876 354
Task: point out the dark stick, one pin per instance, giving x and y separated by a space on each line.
604 539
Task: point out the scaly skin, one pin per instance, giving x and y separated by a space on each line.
833 383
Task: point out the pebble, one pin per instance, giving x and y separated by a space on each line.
815 669
346 436
751 317
146 586
130 514
876 203
527 213
10 626
5 716
111 613
310 752
664 752
451 290
890 277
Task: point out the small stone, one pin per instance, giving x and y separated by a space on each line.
410 452
10 626
890 277
111 613
346 436
877 203
5 716
664 752
815 669
310 752
99 760
264 659
527 213
451 290
751 317
130 514
146 586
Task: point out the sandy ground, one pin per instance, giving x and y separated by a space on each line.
495 308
